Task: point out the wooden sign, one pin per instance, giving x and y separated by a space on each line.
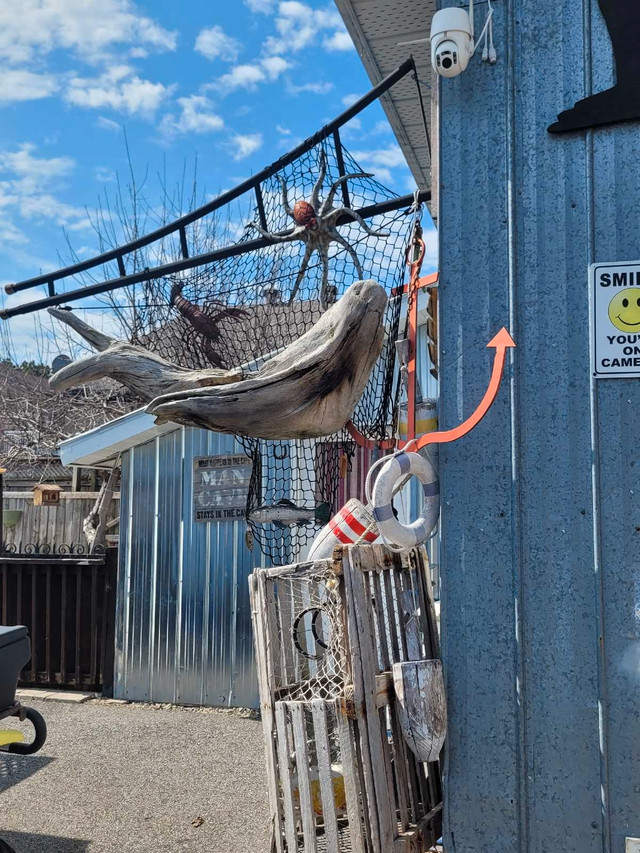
220 487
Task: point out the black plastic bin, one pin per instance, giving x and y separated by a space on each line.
15 651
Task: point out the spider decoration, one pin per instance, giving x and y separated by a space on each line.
316 226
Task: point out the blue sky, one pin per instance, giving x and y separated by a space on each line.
232 84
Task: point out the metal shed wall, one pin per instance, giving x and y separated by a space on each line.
183 628
541 549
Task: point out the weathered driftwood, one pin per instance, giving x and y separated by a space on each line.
147 374
419 687
308 390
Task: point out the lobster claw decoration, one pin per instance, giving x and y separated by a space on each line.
206 325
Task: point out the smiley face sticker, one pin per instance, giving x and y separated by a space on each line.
624 310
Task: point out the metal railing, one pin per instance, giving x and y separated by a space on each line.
178 226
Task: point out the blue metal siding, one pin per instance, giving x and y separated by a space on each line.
183 630
541 557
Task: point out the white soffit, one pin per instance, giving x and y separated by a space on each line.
100 447
376 27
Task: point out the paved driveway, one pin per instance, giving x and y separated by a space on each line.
139 779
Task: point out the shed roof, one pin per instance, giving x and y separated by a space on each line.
100 447
377 28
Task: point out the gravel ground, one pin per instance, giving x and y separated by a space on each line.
137 778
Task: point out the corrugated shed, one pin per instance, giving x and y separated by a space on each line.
183 630
541 551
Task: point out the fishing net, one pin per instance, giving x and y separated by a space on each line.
309 653
258 310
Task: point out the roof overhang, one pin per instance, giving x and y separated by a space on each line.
377 28
101 447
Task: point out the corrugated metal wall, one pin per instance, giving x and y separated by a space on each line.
183 630
541 550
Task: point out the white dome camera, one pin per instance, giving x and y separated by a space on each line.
451 41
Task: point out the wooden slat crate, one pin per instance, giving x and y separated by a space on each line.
327 633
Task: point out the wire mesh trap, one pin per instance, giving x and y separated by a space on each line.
341 777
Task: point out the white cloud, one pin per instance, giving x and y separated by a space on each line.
340 40
27 183
349 100
274 66
352 128
28 168
47 206
283 130
263 7
214 43
104 175
109 124
314 88
390 158
248 76
119 89
381 126
89 27
196 116
246 144
299 26
10 233
240 77
21 85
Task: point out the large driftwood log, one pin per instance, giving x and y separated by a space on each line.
146 373
308 390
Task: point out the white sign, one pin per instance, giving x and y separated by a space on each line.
615 320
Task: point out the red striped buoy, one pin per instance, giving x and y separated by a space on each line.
345 528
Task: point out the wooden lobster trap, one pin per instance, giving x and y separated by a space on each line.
328 633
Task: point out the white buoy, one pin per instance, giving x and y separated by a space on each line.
346 527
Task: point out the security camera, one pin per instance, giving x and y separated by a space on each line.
451 41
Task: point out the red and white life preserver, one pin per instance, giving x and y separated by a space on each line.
385 486
354 522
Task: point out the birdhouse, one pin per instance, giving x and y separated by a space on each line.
46 494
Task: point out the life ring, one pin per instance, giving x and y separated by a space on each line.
392 530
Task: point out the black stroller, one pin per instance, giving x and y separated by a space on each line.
15 651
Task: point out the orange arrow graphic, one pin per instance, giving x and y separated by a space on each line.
501 343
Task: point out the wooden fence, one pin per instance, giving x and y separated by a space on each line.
68 605
50 525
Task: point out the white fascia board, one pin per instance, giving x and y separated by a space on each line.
100 447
